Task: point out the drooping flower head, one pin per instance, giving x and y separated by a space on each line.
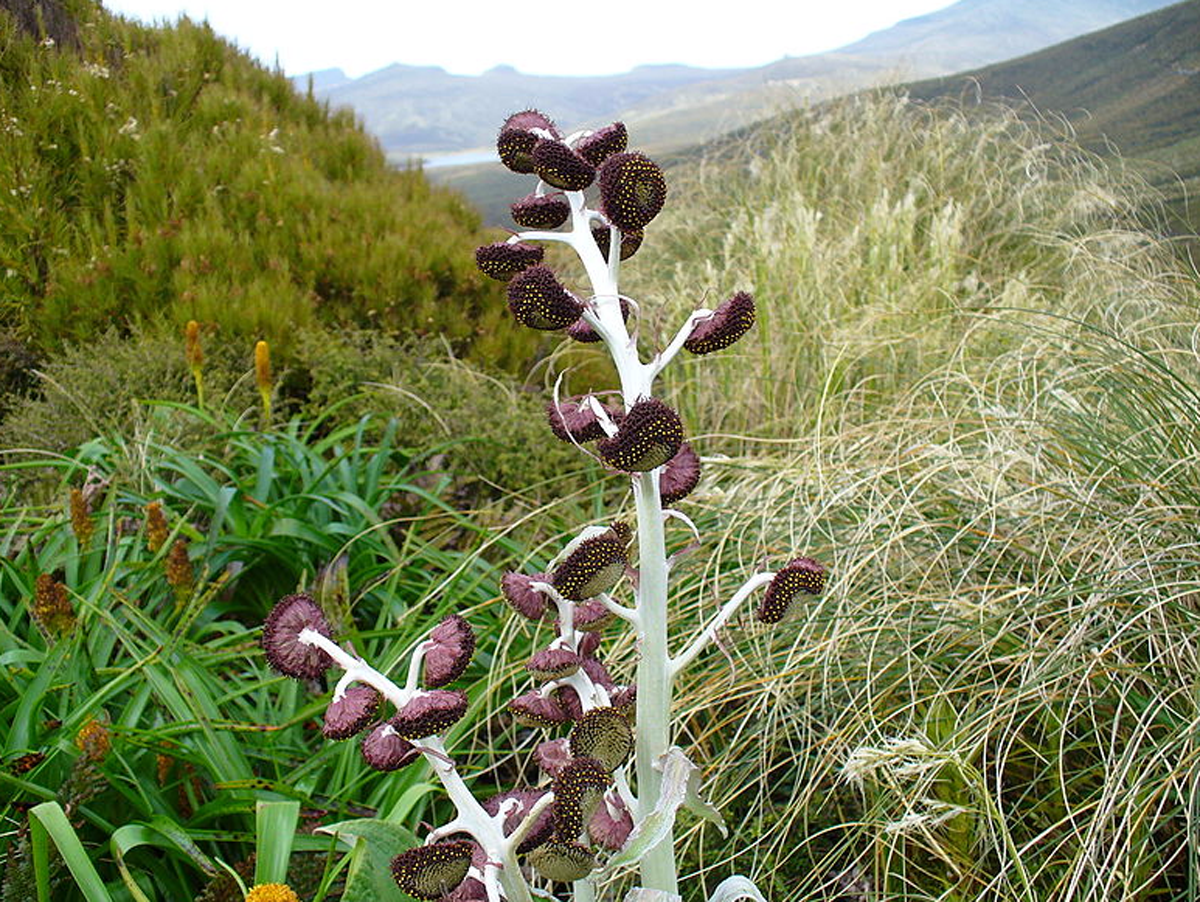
503 260
680 476
520 132
430 872
535 710
517 589
803 576
593 566
648 437
558 165
350 714
386 750
604 735
429 713
729 322
519 803
552 663
538 300
603 143
578 789
574 419
452 645
632 190
547 211
281 638
563 860
612 823
630 241
581 329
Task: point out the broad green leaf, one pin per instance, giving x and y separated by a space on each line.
275 823
376 843
49 821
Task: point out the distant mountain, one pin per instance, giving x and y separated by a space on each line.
425 110
1134 87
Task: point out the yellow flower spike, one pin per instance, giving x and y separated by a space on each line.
272 892
81 518
262 376
195 358
157 530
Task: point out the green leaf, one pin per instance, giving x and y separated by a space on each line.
736 887
376 843
275 823
49 821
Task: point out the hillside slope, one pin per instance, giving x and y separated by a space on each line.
1134 87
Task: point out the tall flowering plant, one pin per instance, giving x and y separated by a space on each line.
613 780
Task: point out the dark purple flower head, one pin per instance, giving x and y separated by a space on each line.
680 476
525 799
552 663
632 190
535 710
430 872
648 437
453 644
594 566
598 673
630 241
386 750
503 260
517 589
429 713
470 890
538 300
729 322
582 330
547 211
518 137
556 164
553 755
602 734
574 419
603 143
562 861
589 642
592 616
801 576
612 823
624 699
281 638
568 699
578 789
351 713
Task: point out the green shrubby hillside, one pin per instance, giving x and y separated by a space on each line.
154 175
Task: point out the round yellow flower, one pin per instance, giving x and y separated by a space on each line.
272 892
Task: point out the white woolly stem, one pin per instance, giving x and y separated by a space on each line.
667 354
709 633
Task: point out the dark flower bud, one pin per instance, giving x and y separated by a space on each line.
503 260
548 211
602 734
582 330
558 165
803 575
538 300
535 710
430 872
281 638
592 616
632 190
386 750
552 663
593 566
630 241
542 828
518 138
589 642
603 143
612 823
429 713
564 862
351 713
648 437
453 644
578 789
680 476
574 419
517 589
729 322
552 756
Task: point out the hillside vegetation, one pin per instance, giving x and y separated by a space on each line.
157 175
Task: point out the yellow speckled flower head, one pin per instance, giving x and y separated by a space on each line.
272 892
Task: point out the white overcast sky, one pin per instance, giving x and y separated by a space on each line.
592 37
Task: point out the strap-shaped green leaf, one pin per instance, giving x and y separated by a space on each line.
49 821
275 824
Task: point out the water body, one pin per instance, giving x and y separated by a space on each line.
460 158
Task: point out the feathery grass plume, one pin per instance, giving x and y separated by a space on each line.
194 352
262 378
95 740
157 530
81 518
180 574
52 609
